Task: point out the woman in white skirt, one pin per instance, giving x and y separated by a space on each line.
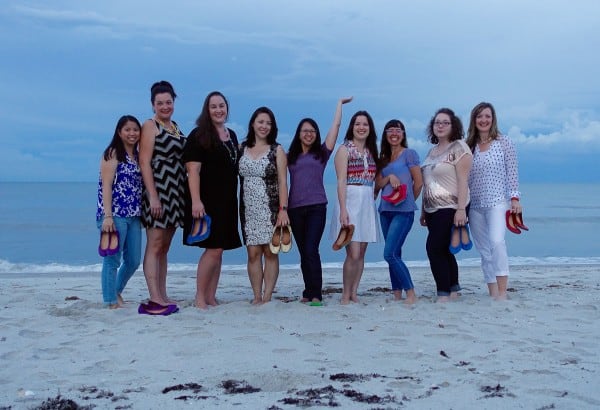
355 168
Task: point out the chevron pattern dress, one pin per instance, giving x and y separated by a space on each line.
169 179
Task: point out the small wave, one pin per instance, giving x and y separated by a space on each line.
7 267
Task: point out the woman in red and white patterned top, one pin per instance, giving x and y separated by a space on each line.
355 167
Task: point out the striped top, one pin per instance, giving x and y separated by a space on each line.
361 166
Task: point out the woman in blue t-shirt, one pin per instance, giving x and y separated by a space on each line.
307 202
399 177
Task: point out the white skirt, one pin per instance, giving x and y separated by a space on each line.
362 212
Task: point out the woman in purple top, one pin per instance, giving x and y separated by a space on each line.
307 203
398 165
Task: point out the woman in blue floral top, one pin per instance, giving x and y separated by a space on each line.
119 209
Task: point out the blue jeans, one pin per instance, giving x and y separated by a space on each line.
115 274
308 224
395 227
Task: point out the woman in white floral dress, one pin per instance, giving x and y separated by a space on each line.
263 200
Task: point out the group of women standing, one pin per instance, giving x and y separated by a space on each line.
155 175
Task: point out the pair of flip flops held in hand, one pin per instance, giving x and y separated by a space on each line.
281 239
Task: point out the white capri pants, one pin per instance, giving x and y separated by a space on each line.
488 226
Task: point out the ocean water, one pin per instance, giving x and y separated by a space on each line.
50 228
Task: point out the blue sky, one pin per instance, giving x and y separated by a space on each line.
70 69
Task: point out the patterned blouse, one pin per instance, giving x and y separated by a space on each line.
440 185
126 191
361 166
494 177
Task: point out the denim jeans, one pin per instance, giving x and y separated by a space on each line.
395 227
115 274
442 262
308 224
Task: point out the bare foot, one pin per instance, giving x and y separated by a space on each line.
200 303
442 299
411 297
454 295
354 299
120 300
256 302
501 297
397 295
114 306
344 301
304 300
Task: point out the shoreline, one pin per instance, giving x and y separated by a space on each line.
536 350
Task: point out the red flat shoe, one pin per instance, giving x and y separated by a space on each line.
397 196
511 224
518 218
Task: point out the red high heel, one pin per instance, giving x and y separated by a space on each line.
397 196
518 219
511 224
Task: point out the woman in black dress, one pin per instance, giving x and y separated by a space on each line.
211 159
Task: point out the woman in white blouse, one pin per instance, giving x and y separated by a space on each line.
493 183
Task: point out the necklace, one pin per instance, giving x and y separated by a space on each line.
233 154
487 141
173 129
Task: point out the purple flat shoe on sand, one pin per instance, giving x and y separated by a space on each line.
155 309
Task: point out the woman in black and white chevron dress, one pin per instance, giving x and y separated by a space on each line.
163 172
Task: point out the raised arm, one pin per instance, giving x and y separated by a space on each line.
333 132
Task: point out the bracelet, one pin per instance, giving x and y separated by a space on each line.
460 209
283 208
108 216
514 198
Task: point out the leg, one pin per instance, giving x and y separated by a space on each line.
399 225
155 263
315 226
271 273
255 271
437 246
299 226
110 264
132 251
502 286
353 268
209 269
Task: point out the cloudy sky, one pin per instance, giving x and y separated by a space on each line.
70 69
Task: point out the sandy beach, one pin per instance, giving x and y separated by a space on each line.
539 350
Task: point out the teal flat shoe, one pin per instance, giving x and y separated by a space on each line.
468 244
454 249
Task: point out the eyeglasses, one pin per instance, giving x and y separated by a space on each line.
308 131
394 131
442 123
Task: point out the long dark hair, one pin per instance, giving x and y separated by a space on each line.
116 145
251 137
472 133
296 146
371 142
160 87
455 123
206 132
385 155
